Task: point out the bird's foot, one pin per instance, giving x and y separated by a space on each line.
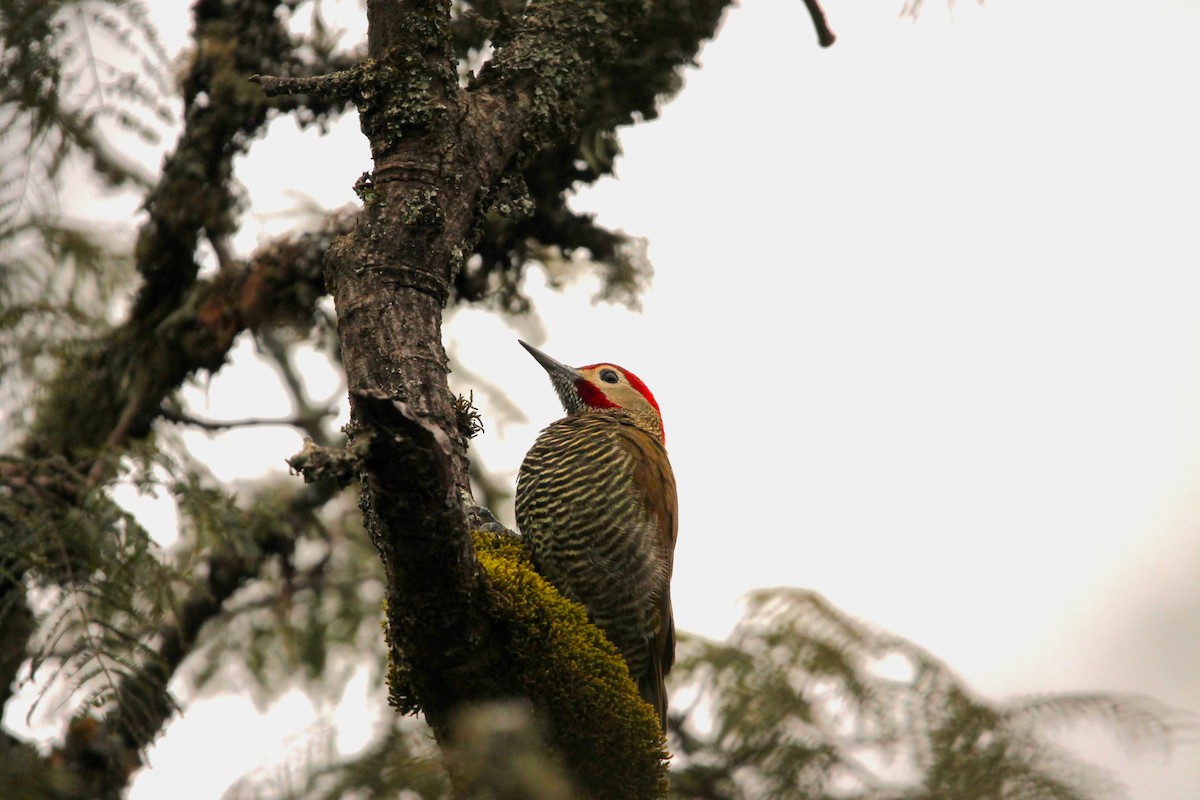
479 518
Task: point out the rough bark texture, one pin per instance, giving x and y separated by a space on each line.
440 152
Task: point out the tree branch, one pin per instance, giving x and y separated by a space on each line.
308 415
127 375
440 153
103 754
307 422
112 390
106 396
825 36
316 85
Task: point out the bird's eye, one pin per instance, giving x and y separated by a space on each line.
609 376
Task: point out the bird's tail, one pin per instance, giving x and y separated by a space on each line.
654 691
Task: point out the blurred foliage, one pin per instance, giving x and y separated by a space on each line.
800 702
87 101
68 70
306 622
401 761
275 586
75 77
804 702
542 229
58 294
98 587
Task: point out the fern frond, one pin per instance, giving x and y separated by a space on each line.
69 71
797 703
99 587
1136 720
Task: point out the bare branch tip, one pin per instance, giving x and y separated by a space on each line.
273 85
825 35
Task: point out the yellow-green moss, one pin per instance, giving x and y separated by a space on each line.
607 734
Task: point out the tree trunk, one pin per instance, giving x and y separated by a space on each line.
439 151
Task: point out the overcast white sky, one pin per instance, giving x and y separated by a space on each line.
924 331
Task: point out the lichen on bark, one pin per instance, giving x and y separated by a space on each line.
574 677
467 624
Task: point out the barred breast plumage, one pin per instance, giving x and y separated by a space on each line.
597 502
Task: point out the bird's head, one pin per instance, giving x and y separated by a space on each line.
602 387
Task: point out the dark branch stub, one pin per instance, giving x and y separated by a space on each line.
825 36
338 464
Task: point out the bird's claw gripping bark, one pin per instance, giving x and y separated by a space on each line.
480 518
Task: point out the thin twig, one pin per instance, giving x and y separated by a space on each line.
825 36
280 356
303 421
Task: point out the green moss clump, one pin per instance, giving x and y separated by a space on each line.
576 677
401 695
81 404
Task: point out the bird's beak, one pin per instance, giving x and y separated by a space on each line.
558 371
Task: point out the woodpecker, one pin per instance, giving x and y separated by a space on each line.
596 500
